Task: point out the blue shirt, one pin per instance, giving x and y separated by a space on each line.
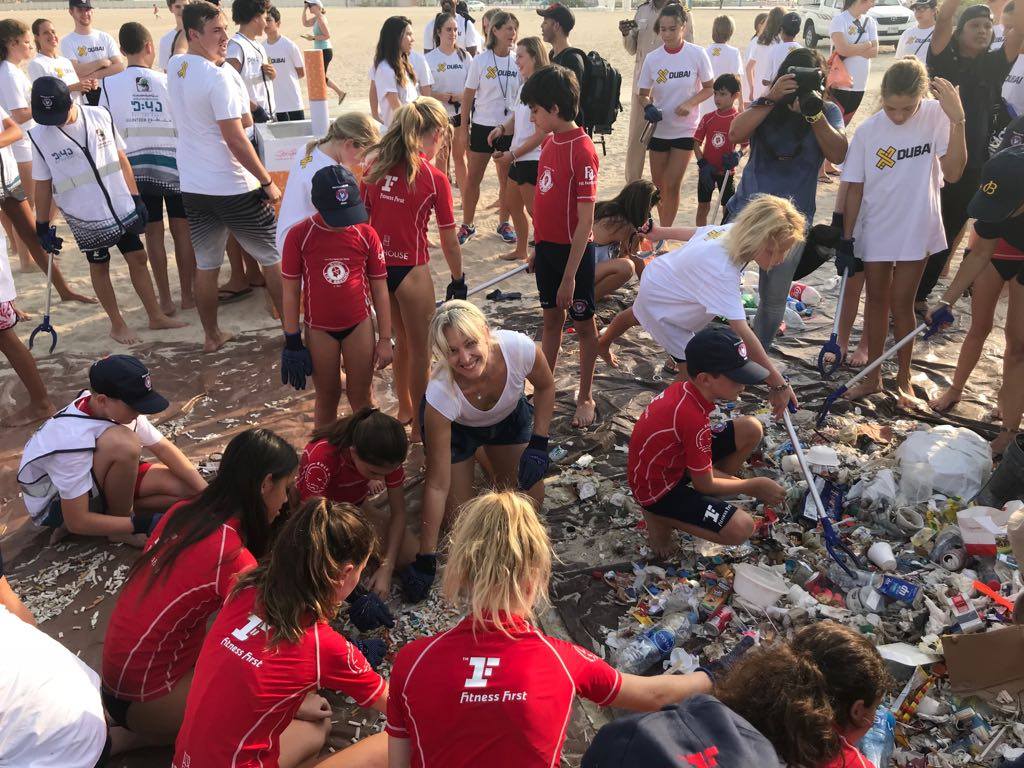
784 161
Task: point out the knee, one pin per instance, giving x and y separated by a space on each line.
749 432
739 529
119 444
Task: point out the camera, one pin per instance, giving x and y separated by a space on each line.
808 79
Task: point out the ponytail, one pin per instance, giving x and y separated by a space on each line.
297 583
377 438
358 127
401 144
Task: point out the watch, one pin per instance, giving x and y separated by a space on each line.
762 101
812 119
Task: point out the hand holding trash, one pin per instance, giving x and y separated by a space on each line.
765 489
533 464
418 576
653 114
367 611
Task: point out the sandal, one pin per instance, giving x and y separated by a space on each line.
227 296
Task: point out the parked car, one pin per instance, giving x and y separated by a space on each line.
891 16
475 6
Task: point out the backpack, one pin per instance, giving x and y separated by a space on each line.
599 93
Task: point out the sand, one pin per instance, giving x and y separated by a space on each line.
215 396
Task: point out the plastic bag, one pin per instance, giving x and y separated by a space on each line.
915 484
961 460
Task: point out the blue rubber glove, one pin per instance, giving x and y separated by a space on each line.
296 362
938 320
48 237
373 650
730 161
653 114
533 464
717 669
367 611
145 524
259 115
418 576
846 262
705 174
139 217
457 289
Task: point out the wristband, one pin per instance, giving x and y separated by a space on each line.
779 388
513 154
763 101
540 442
267 184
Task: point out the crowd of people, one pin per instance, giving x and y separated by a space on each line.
228 626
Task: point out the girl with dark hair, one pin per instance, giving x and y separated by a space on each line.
467 37
450 65
393 77
253 701
854 37
181 579
342 463
758 54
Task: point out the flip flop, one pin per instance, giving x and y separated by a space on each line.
669 370
225 296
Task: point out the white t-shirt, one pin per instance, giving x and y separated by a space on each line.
252 57
85 48
683 290
424 76
759 54
725 60
9 178
522 130
286 58
777 53
467 37
899 162
384 78
858 66
445 396
56 157
58 457
54 66
16 93
7 290
1013 87
672 79
296 202
51 715
915 41
998 37
496 82
206 93
449 73
165 48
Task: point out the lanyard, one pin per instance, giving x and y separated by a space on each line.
497 76
263 75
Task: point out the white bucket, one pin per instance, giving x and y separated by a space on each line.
758 585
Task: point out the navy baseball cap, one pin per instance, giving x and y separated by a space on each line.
336 197
565 18
84 4
699 731
1001 189
124 378
791 24
718 350
51 101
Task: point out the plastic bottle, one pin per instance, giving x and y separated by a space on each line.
654 645
879 742
805 293
793 320
844 581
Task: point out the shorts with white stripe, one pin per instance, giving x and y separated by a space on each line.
249 217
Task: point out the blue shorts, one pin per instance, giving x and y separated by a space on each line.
514 429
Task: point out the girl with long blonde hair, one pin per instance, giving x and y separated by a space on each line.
401 189
511 686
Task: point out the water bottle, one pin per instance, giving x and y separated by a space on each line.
878 743
806 294
654 645
844 581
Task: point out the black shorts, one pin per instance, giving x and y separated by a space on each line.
155 207
284 117
523 172
478 140
549 268
848 101
116 708
328 55
1009 268
340 336
128 243
664 145
396 275
685 504
514 429
705 192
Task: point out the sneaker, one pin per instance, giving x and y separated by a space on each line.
466 233
507 233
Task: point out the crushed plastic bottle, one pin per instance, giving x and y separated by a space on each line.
654 645
879 742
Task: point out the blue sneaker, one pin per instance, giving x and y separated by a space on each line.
466 233
507 233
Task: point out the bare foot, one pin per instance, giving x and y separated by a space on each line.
865 388
859 358
137 540
187 303
122 334
20 313
162 323
946 400
415 432
604 350
168 307
908 401
213 343
513 256
82 298
1002 441
30 414
586 414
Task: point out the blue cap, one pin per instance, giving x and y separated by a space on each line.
124 378
335 196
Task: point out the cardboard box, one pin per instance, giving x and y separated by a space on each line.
981 527
986 663
280 144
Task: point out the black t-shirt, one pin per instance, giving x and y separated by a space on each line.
1011 230
573 59
981 81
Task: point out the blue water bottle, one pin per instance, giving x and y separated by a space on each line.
878 743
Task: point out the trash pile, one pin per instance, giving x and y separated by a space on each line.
929 576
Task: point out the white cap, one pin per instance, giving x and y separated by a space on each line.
314 2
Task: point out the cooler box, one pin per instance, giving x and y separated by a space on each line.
279 144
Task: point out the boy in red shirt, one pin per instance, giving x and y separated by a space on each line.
680 467
716 155
563 217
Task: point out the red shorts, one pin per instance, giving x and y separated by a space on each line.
8 317
144 467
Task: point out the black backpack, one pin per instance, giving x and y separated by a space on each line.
599 93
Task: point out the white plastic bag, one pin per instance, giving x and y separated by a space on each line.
961 459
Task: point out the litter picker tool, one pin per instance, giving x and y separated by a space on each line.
837 550
721 193
943 316
831 347
45 327
493 281
646 134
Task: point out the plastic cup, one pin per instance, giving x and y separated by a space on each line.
880 553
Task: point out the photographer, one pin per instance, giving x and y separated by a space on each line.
791 131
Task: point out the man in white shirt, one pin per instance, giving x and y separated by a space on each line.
286 59
173 42
248 57
224 185
915 40
92 53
